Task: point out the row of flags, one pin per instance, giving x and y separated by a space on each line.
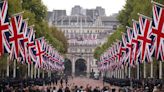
83 37
141 42
18 39
85 42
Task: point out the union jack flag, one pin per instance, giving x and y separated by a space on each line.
4 28
31 45
118 47
158 31
124 49
16 36
24 42
39 52
129 45
144 38
135 41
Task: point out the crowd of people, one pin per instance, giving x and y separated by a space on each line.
62 85
50 88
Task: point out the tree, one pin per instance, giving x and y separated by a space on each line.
125 16
36 12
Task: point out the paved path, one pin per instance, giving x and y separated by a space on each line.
83 81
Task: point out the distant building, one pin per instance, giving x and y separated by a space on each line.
77 10
100 11
84 33
94 13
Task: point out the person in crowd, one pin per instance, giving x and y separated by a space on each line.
66 80
56 81
156 89
67 89
76 88
60 89
87 88
73 87
48 89
61 81
54 89
90 89
81 89
96 89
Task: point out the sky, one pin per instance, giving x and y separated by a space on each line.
111 6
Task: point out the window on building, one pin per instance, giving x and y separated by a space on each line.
114 27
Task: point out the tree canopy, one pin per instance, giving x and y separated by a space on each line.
36 12
125 16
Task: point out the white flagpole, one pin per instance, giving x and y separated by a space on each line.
38 72
32 68
8 67
123 73
138 70
144 69
14 69
129 76
48 73
28 70
151 73
157 3
160 69
18 13
126 71
43 74
34 73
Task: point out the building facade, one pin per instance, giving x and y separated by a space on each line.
84 33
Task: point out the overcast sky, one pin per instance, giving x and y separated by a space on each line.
111 6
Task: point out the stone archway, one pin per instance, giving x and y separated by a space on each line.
68 67
80 67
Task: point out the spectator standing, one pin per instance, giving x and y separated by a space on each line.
66 81
61 81
67 89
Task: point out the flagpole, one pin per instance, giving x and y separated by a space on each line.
138 71
126 71
144 69
14 69
18 13
8 67
129 72
157 3
43 74
31 26
160 69
120 72
38 72
151 73
35 73
48 73
28 69
32 68
144 16
123 73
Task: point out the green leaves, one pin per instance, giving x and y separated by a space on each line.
129 12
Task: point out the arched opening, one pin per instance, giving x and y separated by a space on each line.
68 67
80 67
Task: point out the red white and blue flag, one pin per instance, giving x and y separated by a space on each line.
31 45
129 46
144 38
16 36
4 28
158 31
135 41
39 51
